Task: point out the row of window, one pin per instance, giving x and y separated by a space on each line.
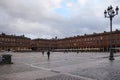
13 39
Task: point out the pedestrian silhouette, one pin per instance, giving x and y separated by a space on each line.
8 50
77 52
43 53
48 54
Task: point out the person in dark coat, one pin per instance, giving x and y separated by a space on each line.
43 53
48 54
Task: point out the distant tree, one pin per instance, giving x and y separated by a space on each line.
117 30
3 34
23 35
55 37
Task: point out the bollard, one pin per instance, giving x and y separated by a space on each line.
5 59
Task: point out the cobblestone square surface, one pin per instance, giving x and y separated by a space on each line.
61 66
61 77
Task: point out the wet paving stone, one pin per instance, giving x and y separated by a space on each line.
107 71
15 68
82 66
61 77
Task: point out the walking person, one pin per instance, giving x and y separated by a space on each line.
77 52
48 54
43 53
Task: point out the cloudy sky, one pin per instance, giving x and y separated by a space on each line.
50 18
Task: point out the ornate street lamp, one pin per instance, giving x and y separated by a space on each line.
110 13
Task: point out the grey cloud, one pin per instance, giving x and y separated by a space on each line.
35 20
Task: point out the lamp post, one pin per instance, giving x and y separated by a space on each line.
110 13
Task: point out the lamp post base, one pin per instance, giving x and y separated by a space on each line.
111 58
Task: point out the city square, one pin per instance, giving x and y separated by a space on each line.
61 66
59 40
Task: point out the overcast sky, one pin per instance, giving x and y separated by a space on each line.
50 18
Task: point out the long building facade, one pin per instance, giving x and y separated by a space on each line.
91 42
87 42
43 44
14 43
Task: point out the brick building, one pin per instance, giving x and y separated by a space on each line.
90 42
14 43
43 44
87 42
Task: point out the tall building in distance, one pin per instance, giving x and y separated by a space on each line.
88 42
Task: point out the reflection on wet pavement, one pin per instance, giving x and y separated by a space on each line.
61 66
